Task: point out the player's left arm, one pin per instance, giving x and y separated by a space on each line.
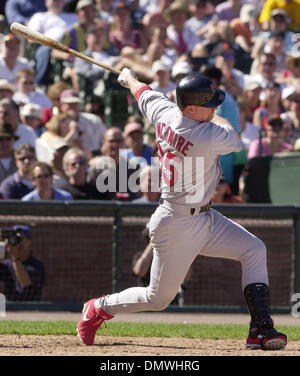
217 119
225 138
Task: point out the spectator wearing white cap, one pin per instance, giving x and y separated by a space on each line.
32 115
179 70
162 78
7 89
251 93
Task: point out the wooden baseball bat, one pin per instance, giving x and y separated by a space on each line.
37 37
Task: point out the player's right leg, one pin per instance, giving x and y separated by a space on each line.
90 321
171 261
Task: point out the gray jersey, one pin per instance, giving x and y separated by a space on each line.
188 150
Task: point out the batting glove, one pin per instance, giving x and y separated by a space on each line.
122 79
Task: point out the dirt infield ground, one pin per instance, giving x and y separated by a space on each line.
30 345
15 345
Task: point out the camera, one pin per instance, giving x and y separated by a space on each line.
11 235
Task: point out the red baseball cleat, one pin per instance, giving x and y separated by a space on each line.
266 339
90 321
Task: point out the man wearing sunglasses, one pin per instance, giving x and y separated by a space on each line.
18 184
7 141
75 165
42 179
23 274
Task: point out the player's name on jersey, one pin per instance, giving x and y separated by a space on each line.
178 142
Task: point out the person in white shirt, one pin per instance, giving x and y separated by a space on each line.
95 40
32 115
265 75
26 92
10 113
53 23
10 60
181 36
201 16
90 124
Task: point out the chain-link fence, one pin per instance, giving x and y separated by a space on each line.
87 249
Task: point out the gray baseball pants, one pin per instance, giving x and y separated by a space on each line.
178 238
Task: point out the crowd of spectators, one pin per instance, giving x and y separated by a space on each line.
56 140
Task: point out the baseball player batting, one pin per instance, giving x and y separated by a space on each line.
190 139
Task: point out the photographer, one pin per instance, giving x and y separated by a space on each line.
23 275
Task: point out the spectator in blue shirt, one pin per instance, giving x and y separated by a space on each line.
21 10
42 177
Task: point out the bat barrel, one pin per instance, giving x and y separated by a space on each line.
36 37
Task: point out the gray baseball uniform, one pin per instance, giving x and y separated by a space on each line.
179 231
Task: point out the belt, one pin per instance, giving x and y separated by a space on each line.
183 209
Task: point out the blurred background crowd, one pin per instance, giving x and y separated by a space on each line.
62 119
